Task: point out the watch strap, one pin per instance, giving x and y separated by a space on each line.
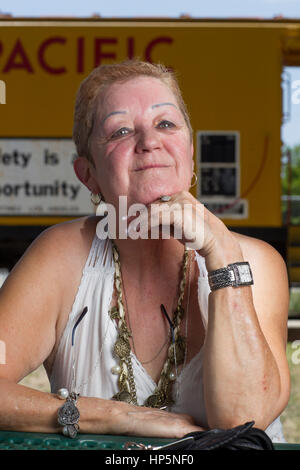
234 275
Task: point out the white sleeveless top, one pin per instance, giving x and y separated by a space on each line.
96 335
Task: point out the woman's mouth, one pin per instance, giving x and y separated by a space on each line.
149 167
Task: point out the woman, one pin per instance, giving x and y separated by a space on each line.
152 349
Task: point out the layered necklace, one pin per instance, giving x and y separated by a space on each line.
162 395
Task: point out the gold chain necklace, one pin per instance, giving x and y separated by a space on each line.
134 350
162 396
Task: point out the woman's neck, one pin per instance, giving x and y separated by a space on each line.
144 258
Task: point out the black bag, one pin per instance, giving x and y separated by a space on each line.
243 437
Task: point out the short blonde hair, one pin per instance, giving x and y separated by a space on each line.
104 76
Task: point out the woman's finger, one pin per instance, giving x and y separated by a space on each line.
177 218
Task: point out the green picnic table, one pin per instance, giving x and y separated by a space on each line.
11 440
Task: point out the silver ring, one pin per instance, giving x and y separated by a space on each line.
165 198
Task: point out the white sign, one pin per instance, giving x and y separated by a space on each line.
225 209
37 178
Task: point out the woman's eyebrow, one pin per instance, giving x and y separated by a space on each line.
163 104
111 114
124 112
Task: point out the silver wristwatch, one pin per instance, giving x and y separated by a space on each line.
234 275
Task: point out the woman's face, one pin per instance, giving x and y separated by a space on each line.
140 143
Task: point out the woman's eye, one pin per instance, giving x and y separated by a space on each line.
120 133
166 125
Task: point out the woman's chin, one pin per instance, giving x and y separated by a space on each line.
150 196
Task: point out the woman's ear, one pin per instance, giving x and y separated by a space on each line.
192 153
85 171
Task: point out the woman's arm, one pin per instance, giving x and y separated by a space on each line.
32 300
28 410
246 374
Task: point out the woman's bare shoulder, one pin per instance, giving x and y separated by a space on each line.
271 284
69 241
258 251
78 229
40 291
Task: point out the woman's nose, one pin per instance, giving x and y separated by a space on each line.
147 141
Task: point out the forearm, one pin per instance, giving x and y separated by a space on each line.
26 409
241 378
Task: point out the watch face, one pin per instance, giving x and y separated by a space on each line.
244 273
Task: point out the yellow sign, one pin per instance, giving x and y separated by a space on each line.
229 72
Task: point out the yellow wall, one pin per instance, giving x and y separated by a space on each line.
230 74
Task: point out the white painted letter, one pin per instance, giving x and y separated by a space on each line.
2 92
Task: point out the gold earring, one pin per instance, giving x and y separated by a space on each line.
195 182
96 198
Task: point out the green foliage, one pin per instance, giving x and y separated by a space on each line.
295 172
294 307
290 417
290 182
